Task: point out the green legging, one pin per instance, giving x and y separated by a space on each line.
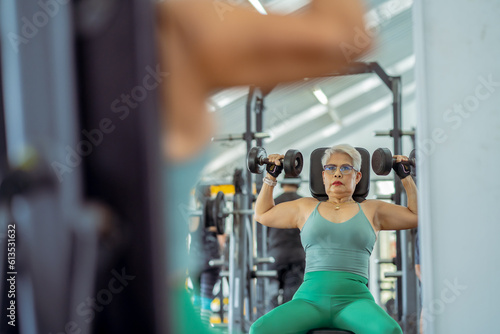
328 299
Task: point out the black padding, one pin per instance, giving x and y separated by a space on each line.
316 180
329 331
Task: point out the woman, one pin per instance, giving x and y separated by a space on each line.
338 236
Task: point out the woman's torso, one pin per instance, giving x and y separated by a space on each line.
328 211
332 244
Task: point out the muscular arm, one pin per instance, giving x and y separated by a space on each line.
283 215
395 217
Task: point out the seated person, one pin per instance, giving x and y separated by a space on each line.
284 245
338 236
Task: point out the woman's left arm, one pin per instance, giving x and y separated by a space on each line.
396 217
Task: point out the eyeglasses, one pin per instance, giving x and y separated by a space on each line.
344 169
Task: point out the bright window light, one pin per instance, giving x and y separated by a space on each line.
384 187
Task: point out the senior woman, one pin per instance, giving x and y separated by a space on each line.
338 236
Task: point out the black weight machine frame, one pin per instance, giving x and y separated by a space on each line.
245 293
406 284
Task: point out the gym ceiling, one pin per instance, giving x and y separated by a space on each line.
357 105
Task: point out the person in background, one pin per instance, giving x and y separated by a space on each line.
285 246
205 245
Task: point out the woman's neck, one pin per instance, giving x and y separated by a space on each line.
340 200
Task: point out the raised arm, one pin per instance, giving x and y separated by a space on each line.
283 215
395 217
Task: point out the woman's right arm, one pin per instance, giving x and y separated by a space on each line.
283 215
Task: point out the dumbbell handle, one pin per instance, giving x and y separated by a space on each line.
265 161
410 162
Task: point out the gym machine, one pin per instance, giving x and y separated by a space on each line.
100 218
247 291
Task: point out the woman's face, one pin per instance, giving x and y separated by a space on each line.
340 184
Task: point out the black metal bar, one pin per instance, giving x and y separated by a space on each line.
352 68
249 133
396 111
259 128
261 230
362 68
406 283
390 133
376 68
247 204
397 149
237 269
242 136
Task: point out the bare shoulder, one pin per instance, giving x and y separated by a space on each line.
307 203
370 203
306 207
304 203
369 207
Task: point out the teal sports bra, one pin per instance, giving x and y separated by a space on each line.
343 246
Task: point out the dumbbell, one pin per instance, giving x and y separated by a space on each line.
292 163
382 161
215 212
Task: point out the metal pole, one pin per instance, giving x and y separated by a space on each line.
237 276
396 134
262 283
406 284
247 204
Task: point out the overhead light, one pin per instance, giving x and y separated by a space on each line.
349 120
258 6
320 95
228 96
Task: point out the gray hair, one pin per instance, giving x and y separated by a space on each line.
343 148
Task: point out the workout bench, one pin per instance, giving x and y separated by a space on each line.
318 191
